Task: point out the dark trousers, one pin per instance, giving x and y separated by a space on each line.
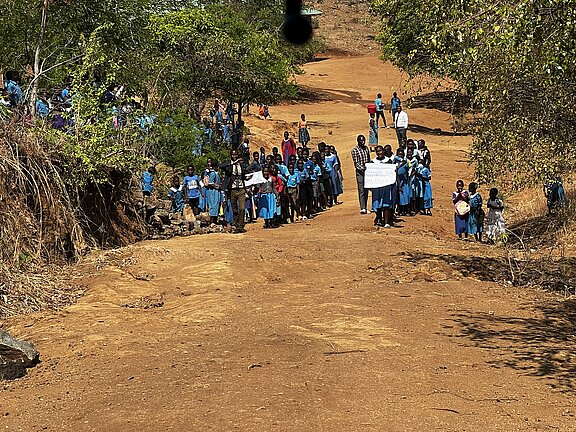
362 192
238 199
401 134
378 115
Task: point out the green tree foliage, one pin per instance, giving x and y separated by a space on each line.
207 51
516 60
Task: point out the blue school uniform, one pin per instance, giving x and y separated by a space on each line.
460 222
267 200
283 169
193 186
404 186
331 161
383 197
475 224
228 212
14 92
177 197
293 180
426 175
213 196
147 180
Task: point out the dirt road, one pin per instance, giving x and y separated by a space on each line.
328 325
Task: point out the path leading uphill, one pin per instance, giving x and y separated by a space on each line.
328 325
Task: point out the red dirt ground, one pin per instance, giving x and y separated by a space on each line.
328 325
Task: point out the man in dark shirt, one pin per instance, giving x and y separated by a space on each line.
234 172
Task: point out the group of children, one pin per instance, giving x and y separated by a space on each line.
295 185
412 192
470 217
307 185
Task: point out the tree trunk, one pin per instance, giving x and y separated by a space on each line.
37 54
240 107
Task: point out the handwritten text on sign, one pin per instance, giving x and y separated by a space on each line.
379 175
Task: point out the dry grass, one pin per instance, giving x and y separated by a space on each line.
45 222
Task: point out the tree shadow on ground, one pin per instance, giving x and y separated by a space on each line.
452 102
553 274
542 346
436 131
543 230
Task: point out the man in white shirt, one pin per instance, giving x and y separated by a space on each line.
401 125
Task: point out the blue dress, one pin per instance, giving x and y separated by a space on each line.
177 197
213 196
425 175
460 222
475 223
383 197
267 200
330 162
404 186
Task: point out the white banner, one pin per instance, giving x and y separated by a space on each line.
378 175
254 179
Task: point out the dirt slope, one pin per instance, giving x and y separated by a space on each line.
329 325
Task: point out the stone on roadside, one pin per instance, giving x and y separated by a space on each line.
16 356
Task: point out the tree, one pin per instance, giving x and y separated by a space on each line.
205 51
516 60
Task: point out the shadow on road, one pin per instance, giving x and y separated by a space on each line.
541 345
451 102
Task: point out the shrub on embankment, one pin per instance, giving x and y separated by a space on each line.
49 217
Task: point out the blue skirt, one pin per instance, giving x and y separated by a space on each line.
383 197
427 194
267 206
213 198
336 183
474 225
461 223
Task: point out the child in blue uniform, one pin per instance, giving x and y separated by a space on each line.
193 189
176 194
425 176
267 201
476 218
212 185
460 220
382 198
293 186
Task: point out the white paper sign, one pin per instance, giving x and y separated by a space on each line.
254 179
378 175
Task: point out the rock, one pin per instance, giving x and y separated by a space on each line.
16 356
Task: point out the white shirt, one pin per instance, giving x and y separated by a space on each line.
401 120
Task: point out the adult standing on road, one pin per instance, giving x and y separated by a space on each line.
380 109
234 171
401 125
360 156
394 104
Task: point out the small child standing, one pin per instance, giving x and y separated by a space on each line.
192 187
267 202
425 175
293 186
461 212
476 218
495 225
176 194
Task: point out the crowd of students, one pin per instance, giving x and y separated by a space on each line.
410 194
292 183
